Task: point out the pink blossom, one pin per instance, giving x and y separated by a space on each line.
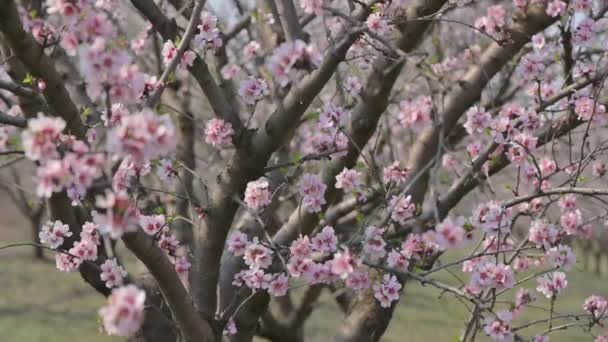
541 338
219 133
396 260
237 243
358 280
571 220
152 224
374 244
556 8
344 263
41 136
524 297
208 37
253 90
387 291
562 257
284 57
84 250
257 256
585 32
312 6
349 180
230 328
251 50
143 136
394 174
492 218
598 168
112 273
325 241
552 284
66 262
416 114
170 51
543 234
596 306
450 233
477 120
53 233
301 247
331 116
120 216
313 190
499 329
124 312
279 285
377 24
521 264
401 208
352 86
52 176
90 232
492 275
257 195
229 71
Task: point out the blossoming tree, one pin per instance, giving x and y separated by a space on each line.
333 145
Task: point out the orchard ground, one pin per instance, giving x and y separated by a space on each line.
39 303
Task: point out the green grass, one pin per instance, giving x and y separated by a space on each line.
39 303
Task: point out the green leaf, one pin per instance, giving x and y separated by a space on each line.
582 179
86 111
297 157
28 79
159 210
375 8
284 170
33 14
359 217
314 115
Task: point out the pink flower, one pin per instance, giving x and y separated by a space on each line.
313 190
492 275
387 291
170 51
477 120
551 284
67 263
143 136
556 8
229 71
331 115
450 234
402 208
237 243
374 245
119 217
257 256
598 168
251 50
301 248
585 32
377 24
152 224
297 266
53 233
416 114
253 90
219 133
112 273
41 137
84 250
543 234
325 241
492 218
524 297
230 328
279 285
396 260
499 329
352 86
394 174
589 109
582 5
561 257
344 263
90 232
521 264
349 180
596 306
208 38
312 6
124 312
571 220
257 195
283 59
